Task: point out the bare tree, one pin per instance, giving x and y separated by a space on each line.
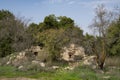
101 22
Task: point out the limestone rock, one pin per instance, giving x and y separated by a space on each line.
73 53
55 67
90 61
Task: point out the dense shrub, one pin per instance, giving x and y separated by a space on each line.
13 35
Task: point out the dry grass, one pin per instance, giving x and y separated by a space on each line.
113 61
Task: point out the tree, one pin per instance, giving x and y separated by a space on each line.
5 14
55 39
88 43
113 36
54 33
13 35
101 22
50 22
65 22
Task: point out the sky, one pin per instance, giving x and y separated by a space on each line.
81 11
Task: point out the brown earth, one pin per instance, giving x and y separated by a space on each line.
20 78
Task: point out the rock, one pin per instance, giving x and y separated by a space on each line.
8 62
22 53
38 63
35 49
90 61
55 67
106 77
35 62
65 56
73 53
69 68
42 64
20 67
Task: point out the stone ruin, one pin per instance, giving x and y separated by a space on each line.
76 54
73 53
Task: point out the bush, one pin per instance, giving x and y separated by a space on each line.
13 35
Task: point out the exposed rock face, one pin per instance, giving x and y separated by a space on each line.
35 57
90 61
73 53
35 50
38 63
76 53
25 58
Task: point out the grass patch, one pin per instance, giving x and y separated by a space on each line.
79 73
113 61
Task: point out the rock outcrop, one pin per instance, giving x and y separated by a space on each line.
77 54
25 59
35 57
73 53
90 61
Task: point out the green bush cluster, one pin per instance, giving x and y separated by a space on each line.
54 33
13 34
113 37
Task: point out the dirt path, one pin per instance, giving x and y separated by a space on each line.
17 79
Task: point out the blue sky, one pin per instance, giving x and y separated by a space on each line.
81 11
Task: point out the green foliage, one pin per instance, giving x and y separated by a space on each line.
113 36
65 22
79 73
88 44
13 35
74 34
55 33
54 39
5 14
50 22
5 47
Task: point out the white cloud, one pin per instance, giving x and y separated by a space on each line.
94 3
84 3
91 3
62 1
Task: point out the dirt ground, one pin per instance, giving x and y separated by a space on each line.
17 78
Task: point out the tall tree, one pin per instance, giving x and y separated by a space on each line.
101 22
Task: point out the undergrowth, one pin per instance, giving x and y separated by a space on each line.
79 73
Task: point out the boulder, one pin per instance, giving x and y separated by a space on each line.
90 61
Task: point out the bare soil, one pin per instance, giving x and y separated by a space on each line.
20 78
